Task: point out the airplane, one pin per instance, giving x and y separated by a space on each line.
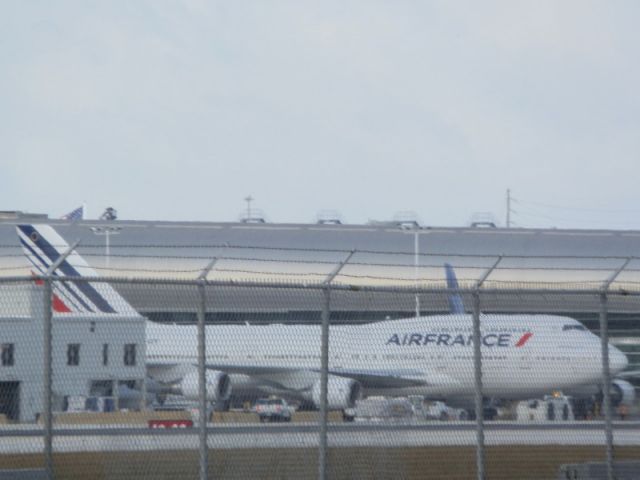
523 356
622 392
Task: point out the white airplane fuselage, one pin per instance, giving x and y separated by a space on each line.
523 356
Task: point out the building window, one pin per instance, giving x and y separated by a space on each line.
130 354
73 354
105 354
7 354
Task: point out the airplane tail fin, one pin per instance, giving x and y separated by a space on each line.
43 246
455 300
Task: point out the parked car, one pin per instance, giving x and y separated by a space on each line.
379 409
273 410
441 411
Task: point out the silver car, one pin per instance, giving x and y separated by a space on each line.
273 410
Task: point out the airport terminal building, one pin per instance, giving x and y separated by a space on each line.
381 254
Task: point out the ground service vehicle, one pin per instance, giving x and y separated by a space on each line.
273 410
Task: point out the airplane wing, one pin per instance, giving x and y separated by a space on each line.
367 378
384 379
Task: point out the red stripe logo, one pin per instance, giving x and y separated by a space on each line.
57 304
524 339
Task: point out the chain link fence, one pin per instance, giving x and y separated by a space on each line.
255 364
92 388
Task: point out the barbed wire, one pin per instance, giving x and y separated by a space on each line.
334 261
411 281
345 251
555 269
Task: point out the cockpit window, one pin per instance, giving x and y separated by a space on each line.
582 328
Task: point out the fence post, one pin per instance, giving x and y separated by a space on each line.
202 381
606 384
324 379
47 414
606 371
324 366
47 330
477 370
202 369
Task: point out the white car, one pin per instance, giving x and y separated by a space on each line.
273 410
442 411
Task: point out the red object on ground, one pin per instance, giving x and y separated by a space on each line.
170 423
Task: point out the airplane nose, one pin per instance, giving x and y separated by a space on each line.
617 360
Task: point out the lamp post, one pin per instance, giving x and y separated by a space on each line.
248 199
408 222
416 265
107 231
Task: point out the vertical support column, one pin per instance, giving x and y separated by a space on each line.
324 379
202 379
47 415
606 385
477 370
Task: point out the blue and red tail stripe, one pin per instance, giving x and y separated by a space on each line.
65 290
42 255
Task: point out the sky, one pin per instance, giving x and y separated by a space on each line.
177 110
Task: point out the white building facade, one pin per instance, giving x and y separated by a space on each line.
92 354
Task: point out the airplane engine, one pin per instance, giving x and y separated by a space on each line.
218 385
341 393
622 393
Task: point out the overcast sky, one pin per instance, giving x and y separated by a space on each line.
177 110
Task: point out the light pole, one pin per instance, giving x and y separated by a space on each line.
416 265
248 199
408 222
107 231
